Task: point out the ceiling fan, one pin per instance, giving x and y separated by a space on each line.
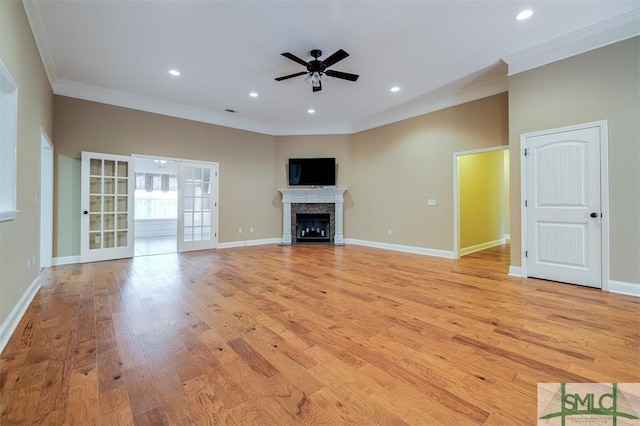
317 69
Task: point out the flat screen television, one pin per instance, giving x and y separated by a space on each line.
312 171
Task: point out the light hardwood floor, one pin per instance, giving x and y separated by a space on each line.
307 335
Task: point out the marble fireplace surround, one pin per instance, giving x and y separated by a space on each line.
306 197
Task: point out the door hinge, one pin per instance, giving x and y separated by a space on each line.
216 174
526 204
526 152
526 253
215 204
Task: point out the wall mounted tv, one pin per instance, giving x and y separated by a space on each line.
312 171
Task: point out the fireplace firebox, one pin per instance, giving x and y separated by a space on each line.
313 228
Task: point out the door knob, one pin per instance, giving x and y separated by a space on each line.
594 215
86 212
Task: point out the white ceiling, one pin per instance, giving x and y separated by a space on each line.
438 52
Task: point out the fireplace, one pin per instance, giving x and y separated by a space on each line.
313 228
315 202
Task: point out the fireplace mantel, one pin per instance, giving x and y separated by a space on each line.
312 195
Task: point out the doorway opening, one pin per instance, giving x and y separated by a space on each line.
156 206
481 199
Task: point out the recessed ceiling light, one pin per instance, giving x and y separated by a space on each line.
311 111
174 73
395 89
525 14
253 94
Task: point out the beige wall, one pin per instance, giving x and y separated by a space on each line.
247 180
481 198
397 167
603 84
19 238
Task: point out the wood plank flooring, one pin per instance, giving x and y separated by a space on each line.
325 335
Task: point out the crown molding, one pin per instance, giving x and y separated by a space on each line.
605 33
330 129
422 106
35 22
434 101
156 106
172 109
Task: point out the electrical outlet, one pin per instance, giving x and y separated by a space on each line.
251 230
431 202
389 232
239 230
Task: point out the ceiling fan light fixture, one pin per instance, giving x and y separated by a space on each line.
315 79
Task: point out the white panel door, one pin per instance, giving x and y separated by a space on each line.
197 206
107 207
563 206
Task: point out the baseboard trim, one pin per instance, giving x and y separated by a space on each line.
397 247
13 319
248 243
482 246
66 260
515 271
620 287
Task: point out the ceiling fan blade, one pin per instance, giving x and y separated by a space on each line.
336 57
342 75
291 75
318 87
294 58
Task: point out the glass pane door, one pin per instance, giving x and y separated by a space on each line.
107 215
197 206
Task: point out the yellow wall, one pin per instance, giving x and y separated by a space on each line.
603 84
20 238
481 198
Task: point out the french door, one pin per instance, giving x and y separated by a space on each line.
107 207
197 206
564 225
